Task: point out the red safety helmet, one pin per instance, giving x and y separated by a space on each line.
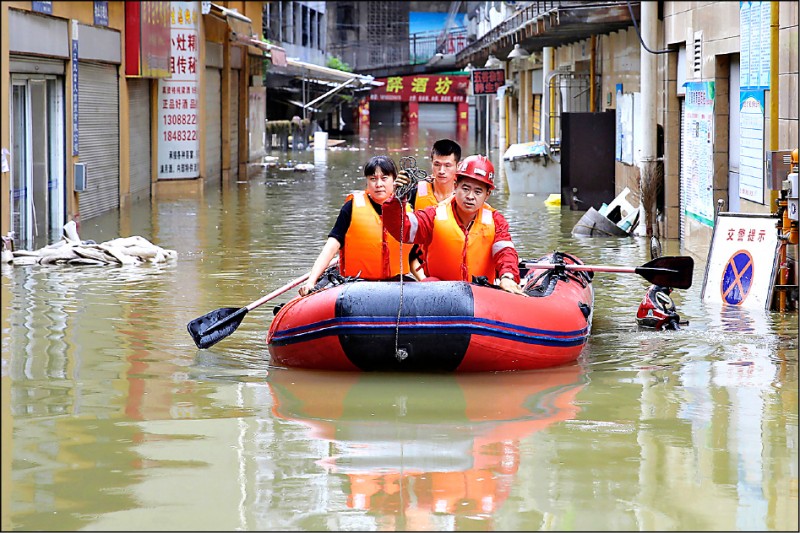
477 167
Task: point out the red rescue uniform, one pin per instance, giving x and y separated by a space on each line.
454 252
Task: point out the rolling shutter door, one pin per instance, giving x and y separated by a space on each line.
139 112
234 125
438 117
213 129
98 142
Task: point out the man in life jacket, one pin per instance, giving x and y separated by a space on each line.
365 248
462 237
445 155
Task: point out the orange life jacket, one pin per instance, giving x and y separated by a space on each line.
453 256
368 247
425 196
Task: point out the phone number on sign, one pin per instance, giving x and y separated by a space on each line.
180 135
180 119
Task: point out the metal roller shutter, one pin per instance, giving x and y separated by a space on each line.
234 124
439 118
98 143
139 112
213 129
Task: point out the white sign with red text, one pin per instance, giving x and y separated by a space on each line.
178 97
742 261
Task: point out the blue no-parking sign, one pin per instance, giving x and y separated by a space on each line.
742 260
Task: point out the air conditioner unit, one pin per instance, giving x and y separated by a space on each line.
80 177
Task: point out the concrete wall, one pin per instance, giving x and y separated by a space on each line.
83 12
716 25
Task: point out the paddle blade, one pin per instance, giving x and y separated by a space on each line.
211 328
669 271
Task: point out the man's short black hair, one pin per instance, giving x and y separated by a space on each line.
445 147
382 162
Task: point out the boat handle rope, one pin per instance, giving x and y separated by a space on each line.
409 165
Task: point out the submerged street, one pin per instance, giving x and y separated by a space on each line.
112 419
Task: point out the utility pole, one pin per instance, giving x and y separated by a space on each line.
648 166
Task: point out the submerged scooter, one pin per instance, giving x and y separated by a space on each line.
657 310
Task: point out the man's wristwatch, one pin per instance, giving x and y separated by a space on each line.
507 275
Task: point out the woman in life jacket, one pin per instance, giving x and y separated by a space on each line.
365 248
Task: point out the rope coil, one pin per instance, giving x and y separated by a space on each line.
408 164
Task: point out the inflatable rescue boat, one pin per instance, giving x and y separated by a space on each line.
438 326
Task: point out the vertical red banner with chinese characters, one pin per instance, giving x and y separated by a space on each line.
413 113
147 39
178 97
363 118
462 117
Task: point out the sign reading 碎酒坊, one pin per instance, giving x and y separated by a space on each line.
421 88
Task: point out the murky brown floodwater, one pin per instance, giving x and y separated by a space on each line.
113 420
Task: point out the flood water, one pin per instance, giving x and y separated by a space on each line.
112 419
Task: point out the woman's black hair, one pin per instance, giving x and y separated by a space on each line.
382 162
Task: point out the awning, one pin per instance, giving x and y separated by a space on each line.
301 69
307 106
337 79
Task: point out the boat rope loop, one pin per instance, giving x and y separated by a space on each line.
544 283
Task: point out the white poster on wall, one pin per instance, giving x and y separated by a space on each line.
178 141
625 127
742 260
697 174
751 145
257 121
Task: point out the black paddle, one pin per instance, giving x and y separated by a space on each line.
212 327
667 271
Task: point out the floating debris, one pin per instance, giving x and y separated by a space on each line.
71 250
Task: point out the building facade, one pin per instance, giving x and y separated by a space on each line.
112 102
712 60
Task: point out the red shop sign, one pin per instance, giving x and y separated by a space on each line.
487 80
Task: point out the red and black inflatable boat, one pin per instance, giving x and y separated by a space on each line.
439 326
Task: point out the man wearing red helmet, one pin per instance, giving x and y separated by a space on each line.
462 237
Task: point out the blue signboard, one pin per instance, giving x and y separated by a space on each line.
42 7
755 41
75 96
101 13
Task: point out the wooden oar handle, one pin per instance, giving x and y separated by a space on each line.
582 267
292 284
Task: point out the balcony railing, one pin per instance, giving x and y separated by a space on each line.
422 47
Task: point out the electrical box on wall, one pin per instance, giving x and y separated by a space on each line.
778 167
80 177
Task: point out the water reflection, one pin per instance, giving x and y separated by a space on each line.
113 420
418 451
